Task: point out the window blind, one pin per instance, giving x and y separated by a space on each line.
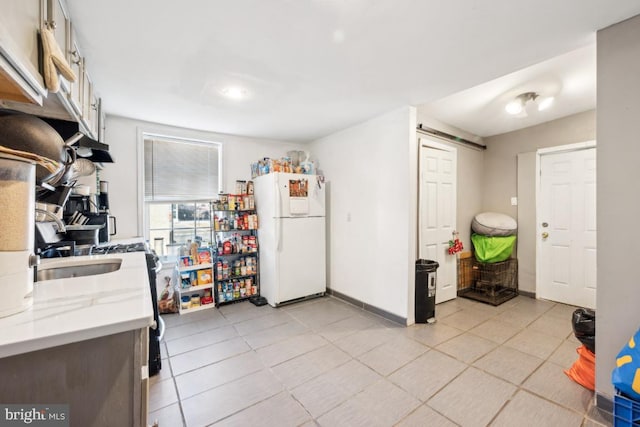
180 170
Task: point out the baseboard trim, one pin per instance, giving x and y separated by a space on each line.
604 403
367 307
527 294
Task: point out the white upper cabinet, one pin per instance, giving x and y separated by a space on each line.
22 86
90 105
77 65
57 21
94 114
20 78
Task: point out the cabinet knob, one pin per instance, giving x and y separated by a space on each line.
52 25
34 260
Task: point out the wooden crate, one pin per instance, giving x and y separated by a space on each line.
465 270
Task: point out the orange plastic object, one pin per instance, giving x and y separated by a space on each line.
583 370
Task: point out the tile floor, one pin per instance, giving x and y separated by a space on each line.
325 362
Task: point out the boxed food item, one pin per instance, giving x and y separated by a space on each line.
185 280
241 187
206 298
222 203
204 256
205 276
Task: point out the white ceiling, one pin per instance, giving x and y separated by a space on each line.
480 110
312 67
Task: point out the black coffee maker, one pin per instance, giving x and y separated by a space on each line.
109 221
103 197
95 211
78 203
102 216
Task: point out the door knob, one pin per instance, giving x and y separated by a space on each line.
545 235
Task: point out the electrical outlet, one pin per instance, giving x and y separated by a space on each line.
348 216
514 201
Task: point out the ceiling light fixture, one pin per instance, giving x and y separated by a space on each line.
234 92
519 104
544 103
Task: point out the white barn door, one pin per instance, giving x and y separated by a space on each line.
437 212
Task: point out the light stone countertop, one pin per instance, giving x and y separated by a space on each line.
81 308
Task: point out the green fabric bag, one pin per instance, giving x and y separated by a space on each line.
492 249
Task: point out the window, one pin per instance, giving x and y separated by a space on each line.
181 177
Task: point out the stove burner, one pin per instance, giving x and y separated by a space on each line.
120 248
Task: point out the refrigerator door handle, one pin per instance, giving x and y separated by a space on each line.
278 198
278 214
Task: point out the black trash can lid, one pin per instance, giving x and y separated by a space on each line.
427 264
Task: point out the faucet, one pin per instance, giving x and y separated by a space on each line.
58 221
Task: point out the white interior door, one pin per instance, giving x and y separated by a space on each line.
437 213
567 228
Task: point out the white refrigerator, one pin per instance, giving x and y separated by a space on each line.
291 236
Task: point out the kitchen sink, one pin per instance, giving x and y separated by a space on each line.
77 269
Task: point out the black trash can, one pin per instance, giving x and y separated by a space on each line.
583 321
425 304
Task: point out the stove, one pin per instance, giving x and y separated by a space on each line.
156 331
113 248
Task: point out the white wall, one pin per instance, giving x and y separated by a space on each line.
122 136
618 316
502 180
470 191
371 170
527 232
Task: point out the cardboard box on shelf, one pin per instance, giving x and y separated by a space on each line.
205 277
